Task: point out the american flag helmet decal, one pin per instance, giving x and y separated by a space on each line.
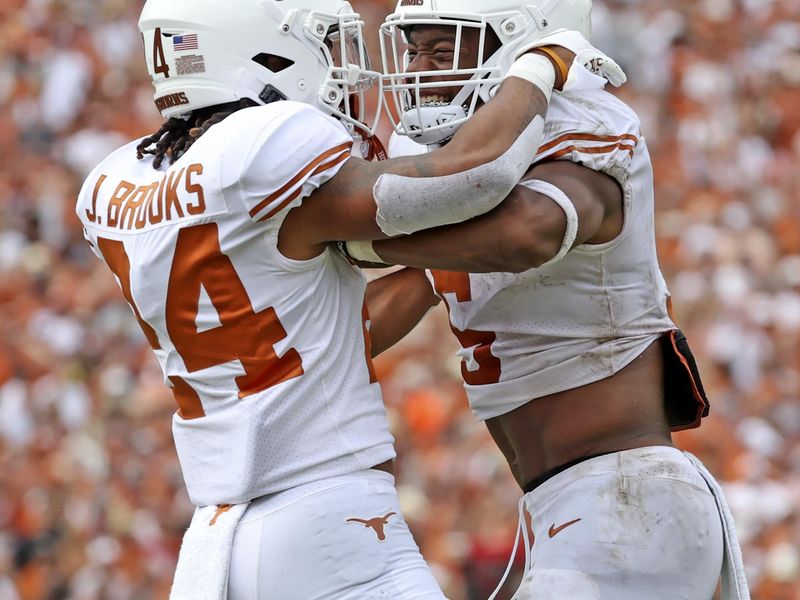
187 41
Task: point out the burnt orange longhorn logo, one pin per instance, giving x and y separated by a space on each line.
378 524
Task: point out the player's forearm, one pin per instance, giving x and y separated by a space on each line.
442 249
396 303
492 130
518 235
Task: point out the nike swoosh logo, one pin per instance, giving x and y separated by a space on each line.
554 531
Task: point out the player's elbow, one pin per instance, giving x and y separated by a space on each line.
527 254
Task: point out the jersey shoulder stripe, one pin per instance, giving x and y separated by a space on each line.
593 128
340 154
275 155
581 142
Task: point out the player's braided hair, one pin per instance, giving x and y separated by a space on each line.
177 134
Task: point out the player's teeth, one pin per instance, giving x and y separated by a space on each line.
434 101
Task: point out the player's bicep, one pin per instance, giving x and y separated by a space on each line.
596 198
345 209
342 209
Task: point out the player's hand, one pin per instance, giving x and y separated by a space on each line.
572 48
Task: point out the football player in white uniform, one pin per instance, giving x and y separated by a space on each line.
569 352
218 230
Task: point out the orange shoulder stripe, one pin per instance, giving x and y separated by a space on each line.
321 169
592 150
291 183
588 137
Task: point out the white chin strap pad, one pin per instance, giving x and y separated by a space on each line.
419 123
560 198
409 204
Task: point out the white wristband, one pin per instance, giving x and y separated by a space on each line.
363 251
536 69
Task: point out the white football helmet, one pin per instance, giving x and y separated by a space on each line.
203 53
517 24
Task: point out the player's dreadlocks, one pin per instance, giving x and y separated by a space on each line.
177 135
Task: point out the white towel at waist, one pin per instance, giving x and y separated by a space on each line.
202 571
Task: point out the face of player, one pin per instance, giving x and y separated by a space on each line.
433 48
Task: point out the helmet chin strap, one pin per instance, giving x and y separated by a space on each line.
371 146
419 123
373 149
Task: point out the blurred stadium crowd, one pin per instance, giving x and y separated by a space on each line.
92 504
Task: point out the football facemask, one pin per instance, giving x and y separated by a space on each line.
427 119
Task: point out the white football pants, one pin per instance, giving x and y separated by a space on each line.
641 524
338 539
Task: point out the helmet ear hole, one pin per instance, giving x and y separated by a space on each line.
274 63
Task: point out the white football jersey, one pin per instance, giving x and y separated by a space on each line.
268 357
585 317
